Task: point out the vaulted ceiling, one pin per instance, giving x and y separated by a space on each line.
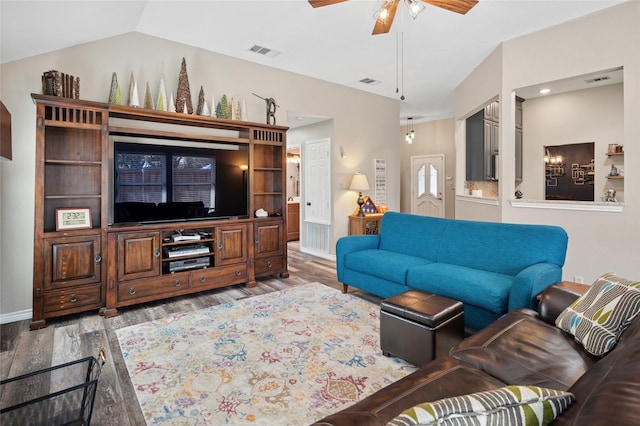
423 59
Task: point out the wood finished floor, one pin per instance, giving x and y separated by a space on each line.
74 337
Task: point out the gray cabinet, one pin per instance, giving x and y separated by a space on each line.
519 147
483 135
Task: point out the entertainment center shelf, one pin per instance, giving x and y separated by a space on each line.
103 265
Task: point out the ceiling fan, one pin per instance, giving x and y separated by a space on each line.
386 13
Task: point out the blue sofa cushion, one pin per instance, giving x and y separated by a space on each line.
505 248
385 264
412 235
471 286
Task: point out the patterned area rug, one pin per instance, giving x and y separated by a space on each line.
284 358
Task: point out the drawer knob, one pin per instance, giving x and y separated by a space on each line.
98 258
73 298
177 283
156 253
269 265
238 272
132 291
201 278
219 245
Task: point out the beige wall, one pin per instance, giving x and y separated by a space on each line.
433 137
366 125
593 115
599 241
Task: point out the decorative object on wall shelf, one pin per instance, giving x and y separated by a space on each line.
73 219
582 174
56 83
518 194
134 100
271 109
161 103
615 149
201 102
148 97
222 109
183 96
613 171
610 195
115 96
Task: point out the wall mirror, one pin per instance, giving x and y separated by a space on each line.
293 173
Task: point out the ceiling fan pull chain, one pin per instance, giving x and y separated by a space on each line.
402 63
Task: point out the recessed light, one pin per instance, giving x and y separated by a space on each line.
544 91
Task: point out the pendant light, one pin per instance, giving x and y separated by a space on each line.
411 134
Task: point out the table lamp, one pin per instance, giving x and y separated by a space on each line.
359 183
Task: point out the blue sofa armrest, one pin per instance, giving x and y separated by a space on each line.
532 281
346 245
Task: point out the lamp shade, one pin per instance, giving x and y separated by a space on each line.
359 182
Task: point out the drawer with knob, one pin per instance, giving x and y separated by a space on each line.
74 299
269 266
219 276
142 290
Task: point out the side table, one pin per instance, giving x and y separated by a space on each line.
365 225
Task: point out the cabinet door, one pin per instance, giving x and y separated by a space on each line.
72 261
231 244
138 255
269 238
519 155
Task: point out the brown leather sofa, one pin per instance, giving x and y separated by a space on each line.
524 347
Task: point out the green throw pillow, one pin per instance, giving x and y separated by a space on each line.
510 405
598 317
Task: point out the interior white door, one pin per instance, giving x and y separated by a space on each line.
317 181
427 185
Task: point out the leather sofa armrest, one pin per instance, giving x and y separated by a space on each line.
554 300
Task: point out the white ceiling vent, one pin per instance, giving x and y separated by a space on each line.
264 51
597 79
369 81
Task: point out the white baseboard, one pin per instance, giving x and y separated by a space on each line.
16 316
318 253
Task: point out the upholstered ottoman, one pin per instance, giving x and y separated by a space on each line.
419 327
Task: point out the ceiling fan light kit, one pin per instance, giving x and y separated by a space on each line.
387 12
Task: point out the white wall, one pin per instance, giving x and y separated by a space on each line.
365 124
599 241
593 115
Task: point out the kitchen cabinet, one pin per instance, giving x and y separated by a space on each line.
482 143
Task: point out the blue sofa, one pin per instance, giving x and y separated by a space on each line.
493 268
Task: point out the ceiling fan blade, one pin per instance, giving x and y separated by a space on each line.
457 6
385 17
320 3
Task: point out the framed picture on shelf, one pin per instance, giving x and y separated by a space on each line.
74 218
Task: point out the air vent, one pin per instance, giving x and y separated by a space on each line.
369 81
264 51
597 79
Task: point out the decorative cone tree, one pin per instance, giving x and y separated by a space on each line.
183 96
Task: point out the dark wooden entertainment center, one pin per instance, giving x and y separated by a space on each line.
105 266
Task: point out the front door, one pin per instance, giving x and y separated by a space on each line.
427 185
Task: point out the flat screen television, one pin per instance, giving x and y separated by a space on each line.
158 180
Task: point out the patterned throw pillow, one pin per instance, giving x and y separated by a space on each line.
510 405
598 317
